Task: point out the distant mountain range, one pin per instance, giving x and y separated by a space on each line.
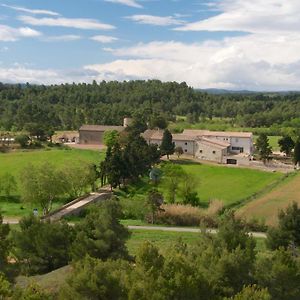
244 92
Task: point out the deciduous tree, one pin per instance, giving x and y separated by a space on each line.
286 144
41 185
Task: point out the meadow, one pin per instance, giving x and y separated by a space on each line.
228 184
231 185
14 162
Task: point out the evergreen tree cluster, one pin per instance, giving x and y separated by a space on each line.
39 109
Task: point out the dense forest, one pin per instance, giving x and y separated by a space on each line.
68 106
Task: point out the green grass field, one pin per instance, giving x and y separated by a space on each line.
228 184
165 239
14 162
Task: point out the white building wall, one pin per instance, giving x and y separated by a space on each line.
245 143
206 152
241 142
187 146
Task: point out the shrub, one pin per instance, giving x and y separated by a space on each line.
257 225
180 215
134 207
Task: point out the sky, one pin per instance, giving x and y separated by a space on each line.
224 44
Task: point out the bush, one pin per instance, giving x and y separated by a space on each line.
134 207
258 225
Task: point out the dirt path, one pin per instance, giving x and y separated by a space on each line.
158 228
185 229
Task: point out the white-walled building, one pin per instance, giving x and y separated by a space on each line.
218 146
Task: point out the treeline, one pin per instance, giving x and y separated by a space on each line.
223 266
68 106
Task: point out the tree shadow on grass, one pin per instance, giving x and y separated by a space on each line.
10 199
185 162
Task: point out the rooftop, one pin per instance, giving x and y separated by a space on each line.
214 143
208 133
100 128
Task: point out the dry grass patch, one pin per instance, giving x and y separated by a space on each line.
267 206
187 215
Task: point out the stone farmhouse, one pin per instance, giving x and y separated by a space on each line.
93 134
218 146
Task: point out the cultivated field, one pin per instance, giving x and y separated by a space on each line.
267 206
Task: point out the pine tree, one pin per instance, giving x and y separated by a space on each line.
297 152
167 146
286 145
263 147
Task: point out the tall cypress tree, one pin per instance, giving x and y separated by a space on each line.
167 146
297 152
263 147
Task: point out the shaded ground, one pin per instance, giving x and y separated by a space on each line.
86 146
267 206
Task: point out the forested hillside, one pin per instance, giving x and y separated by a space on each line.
67 107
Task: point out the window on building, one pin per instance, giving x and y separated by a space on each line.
200 151
239 149
214 152
185 150
185 144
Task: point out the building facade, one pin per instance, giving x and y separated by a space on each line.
93 134
217 146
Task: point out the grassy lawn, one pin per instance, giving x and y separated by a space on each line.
163 240
230 185
14 162
19 209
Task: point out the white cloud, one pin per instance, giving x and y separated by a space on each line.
132 3
66 22
105 39
32 11
266 57
20 73
10 34
255 16
252 62
62 38
155 20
